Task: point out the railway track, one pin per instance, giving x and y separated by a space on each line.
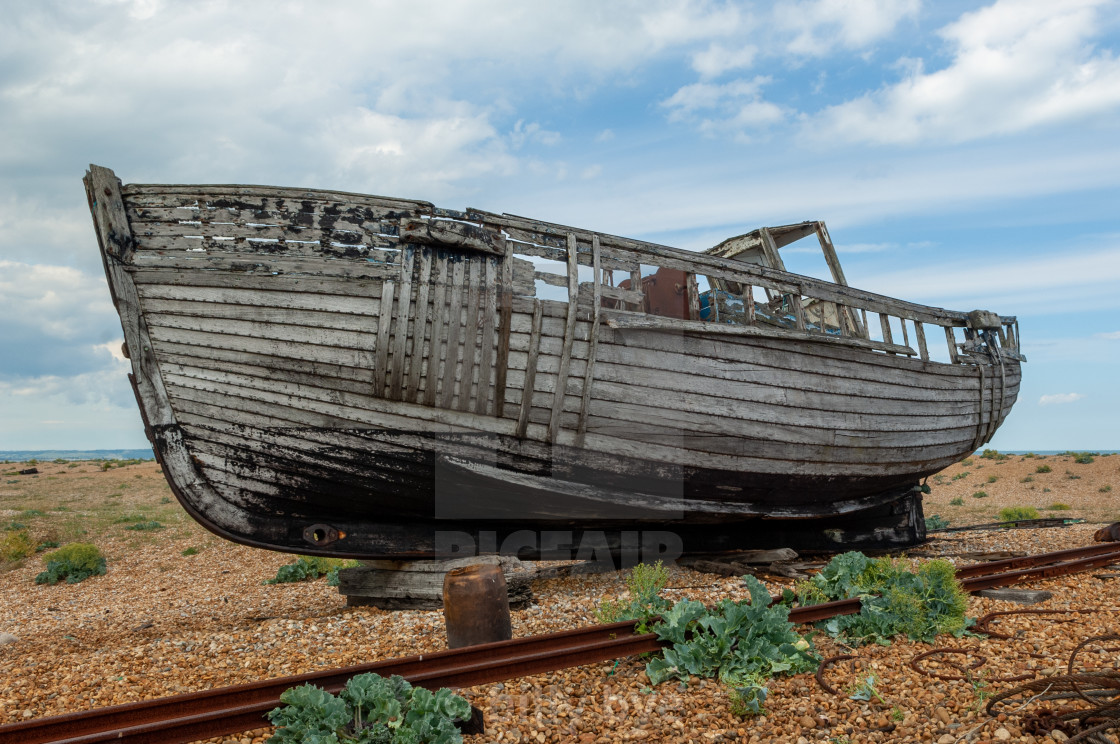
227 710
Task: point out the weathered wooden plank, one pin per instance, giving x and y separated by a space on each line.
241 299
384 325
569 336
589 367
651 323
693 297
455 324
235 196
486 370
261 313
504 328
240 264
470 337
556 280
951 341
291 283
421 318
161 235
400 336
438 344
530 371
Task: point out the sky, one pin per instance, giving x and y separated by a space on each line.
963 155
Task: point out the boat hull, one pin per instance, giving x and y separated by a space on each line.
380 409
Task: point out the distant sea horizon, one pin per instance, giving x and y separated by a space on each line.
95 454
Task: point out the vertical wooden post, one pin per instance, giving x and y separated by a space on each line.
403 313
569 338
384 323
420 327
502 365
593 341
693 297
920 334
952 341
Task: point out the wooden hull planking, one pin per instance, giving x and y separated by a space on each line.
352 375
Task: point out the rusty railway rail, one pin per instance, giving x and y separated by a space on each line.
227 710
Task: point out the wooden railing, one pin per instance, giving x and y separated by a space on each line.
806 304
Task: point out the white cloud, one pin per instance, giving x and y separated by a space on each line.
591 171
1059 398
718 59
822 25
1111 335
1016 64
605 136
735 107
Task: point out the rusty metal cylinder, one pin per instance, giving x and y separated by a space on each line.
476 606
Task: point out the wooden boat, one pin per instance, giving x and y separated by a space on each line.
343 374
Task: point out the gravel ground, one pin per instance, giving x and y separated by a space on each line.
161 622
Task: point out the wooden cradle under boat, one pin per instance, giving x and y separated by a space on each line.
340 374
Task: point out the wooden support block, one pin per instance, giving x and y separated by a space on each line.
418 585
1019 596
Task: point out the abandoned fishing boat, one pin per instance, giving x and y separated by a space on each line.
353 375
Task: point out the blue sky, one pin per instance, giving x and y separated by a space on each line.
963 155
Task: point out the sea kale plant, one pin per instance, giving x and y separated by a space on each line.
369 710
921 603
743 643
73 563
309 568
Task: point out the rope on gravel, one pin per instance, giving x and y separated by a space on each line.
1097 692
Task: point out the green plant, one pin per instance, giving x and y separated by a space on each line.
956 501
979 689
645 582
1043 469
991 454
46 545
939 478
980 494
1027 479
1071 476
959 476
147 526
1029 455
895 600
936 522
865 689
1104 489
165 500
897 715
310 567
369 710
1058 506
966 462
993 478
74 562
32 513
747 696
1016 513
130 519
190 551
736 641
1046 490
1082 458
16 546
